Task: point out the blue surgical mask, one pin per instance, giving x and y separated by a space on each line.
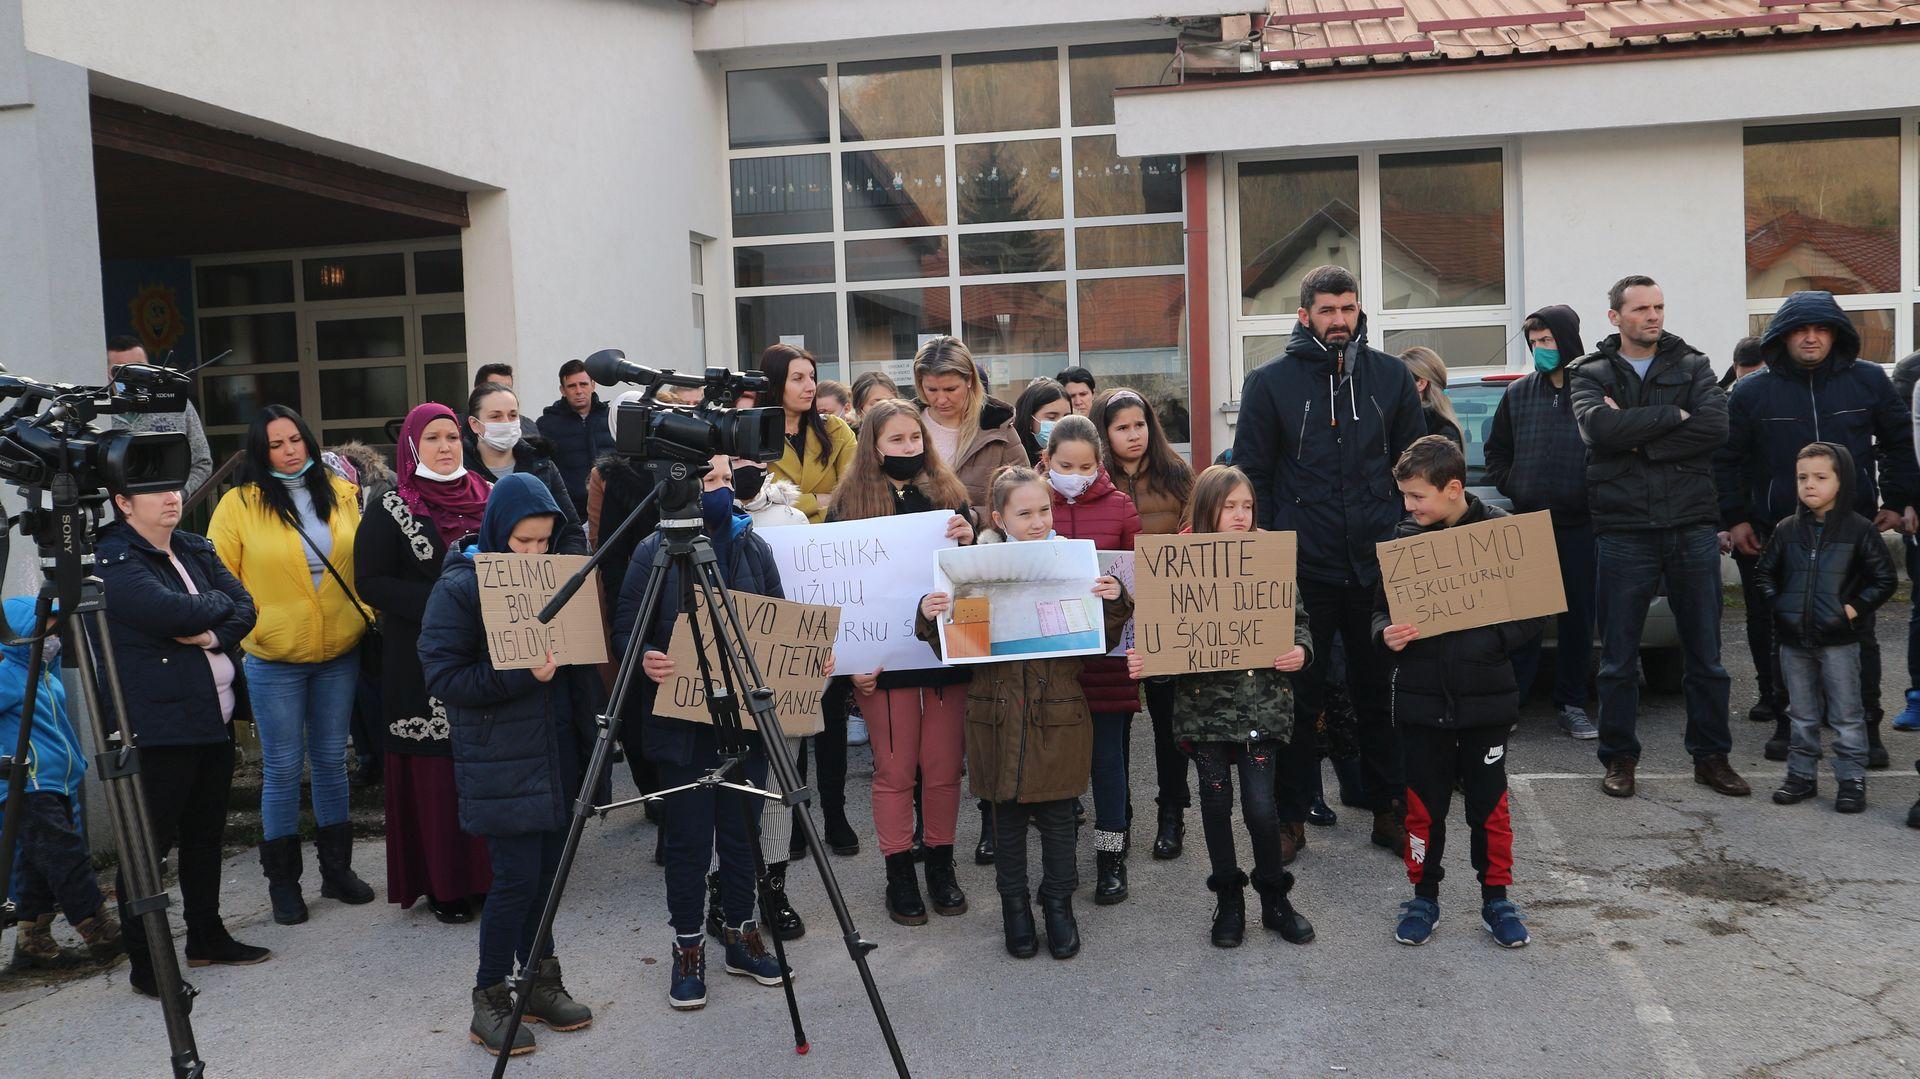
1045 431
716 508
291 476
1546 360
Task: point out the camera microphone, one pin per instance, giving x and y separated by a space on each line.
610 367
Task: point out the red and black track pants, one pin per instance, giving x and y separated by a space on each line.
1476 759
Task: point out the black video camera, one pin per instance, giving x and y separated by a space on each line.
657 431
37 446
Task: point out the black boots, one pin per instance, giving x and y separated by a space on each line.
903 890
1110 865
209 944
1016 915
1277 913
840 838
983 850
280 861
1172 835
775 911
1877 758
1230 909
942 888
333 846
1063 933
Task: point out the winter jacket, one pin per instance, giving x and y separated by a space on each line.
370 470
397 559
56 763
1029 733
1646 467
533 459
1811 570
171 696
1772 414
614 489
1107 517
1161 512
300 622
1458 679
518 744
995 447
1240 706
776 506
576 442
748 567
1533 426
1905 372
1318 435
812 475
909 498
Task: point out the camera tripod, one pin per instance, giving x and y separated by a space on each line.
684 547
75 602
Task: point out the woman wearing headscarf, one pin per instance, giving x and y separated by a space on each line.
401 546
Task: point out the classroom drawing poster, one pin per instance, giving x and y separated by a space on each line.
1030 600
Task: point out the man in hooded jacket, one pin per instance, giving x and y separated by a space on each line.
1816 388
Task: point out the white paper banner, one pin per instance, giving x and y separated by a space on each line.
875 571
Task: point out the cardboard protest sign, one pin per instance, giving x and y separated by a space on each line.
1032 600
875 571
791 642
1119 566
1501 570
1220 601
513 589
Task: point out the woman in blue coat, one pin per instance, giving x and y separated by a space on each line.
518 747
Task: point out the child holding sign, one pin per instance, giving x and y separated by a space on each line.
1030 738
1239 719
1455 702
519 744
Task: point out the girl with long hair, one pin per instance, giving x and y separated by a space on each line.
1035 411
1430 381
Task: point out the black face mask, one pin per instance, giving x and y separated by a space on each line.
903 468
747 482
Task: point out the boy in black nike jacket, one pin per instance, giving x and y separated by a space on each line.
1455 702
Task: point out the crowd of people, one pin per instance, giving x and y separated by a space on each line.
334 603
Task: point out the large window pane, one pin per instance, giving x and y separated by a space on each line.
890 99
1018 330
1107 185
360 338
355 277
1460 346
1132 333
1031 251
886 326
443 334
1008 181
238 284
1876 329
364 392
447 384
782 106
783 264
1095 71
1442 229
229 400
1006 91
252 338
1823 208
900 188
1108 246
894 258
437 271
1295 215
1261 350
780 196
807 321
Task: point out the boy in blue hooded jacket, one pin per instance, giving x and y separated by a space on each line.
51 864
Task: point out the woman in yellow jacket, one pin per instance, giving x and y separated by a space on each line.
819 447
287 533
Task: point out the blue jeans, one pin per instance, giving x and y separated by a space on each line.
1573 645
699 822
1630 568
1824 684
1110 770
523 871
51 865
302 712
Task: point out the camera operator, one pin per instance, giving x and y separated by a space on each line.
126 349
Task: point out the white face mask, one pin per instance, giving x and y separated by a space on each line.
501 436
1069 486
421 470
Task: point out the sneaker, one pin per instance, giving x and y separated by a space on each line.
1418 916
689 988
856 731
1909 719
747 955
1575 724
1502 919
1852 797
1794 789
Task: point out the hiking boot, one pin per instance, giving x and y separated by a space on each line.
1016 918
1418 916
1502 919
102 934
1713 771
840 837
1389 827
280 861
35 949
1852 796
776 910
942 889
903 891
1277 912
1063 932
1575 724
688 990
1110 868
550 1003
1172 835
1229 909
492 1013
1619 778
1794 790
716 922
333 849
747 955
209 944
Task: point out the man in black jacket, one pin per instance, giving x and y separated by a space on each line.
576 428
1319 430
1534 423
1772 706
1652 416
1815 388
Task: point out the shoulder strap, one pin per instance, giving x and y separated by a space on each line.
344 587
